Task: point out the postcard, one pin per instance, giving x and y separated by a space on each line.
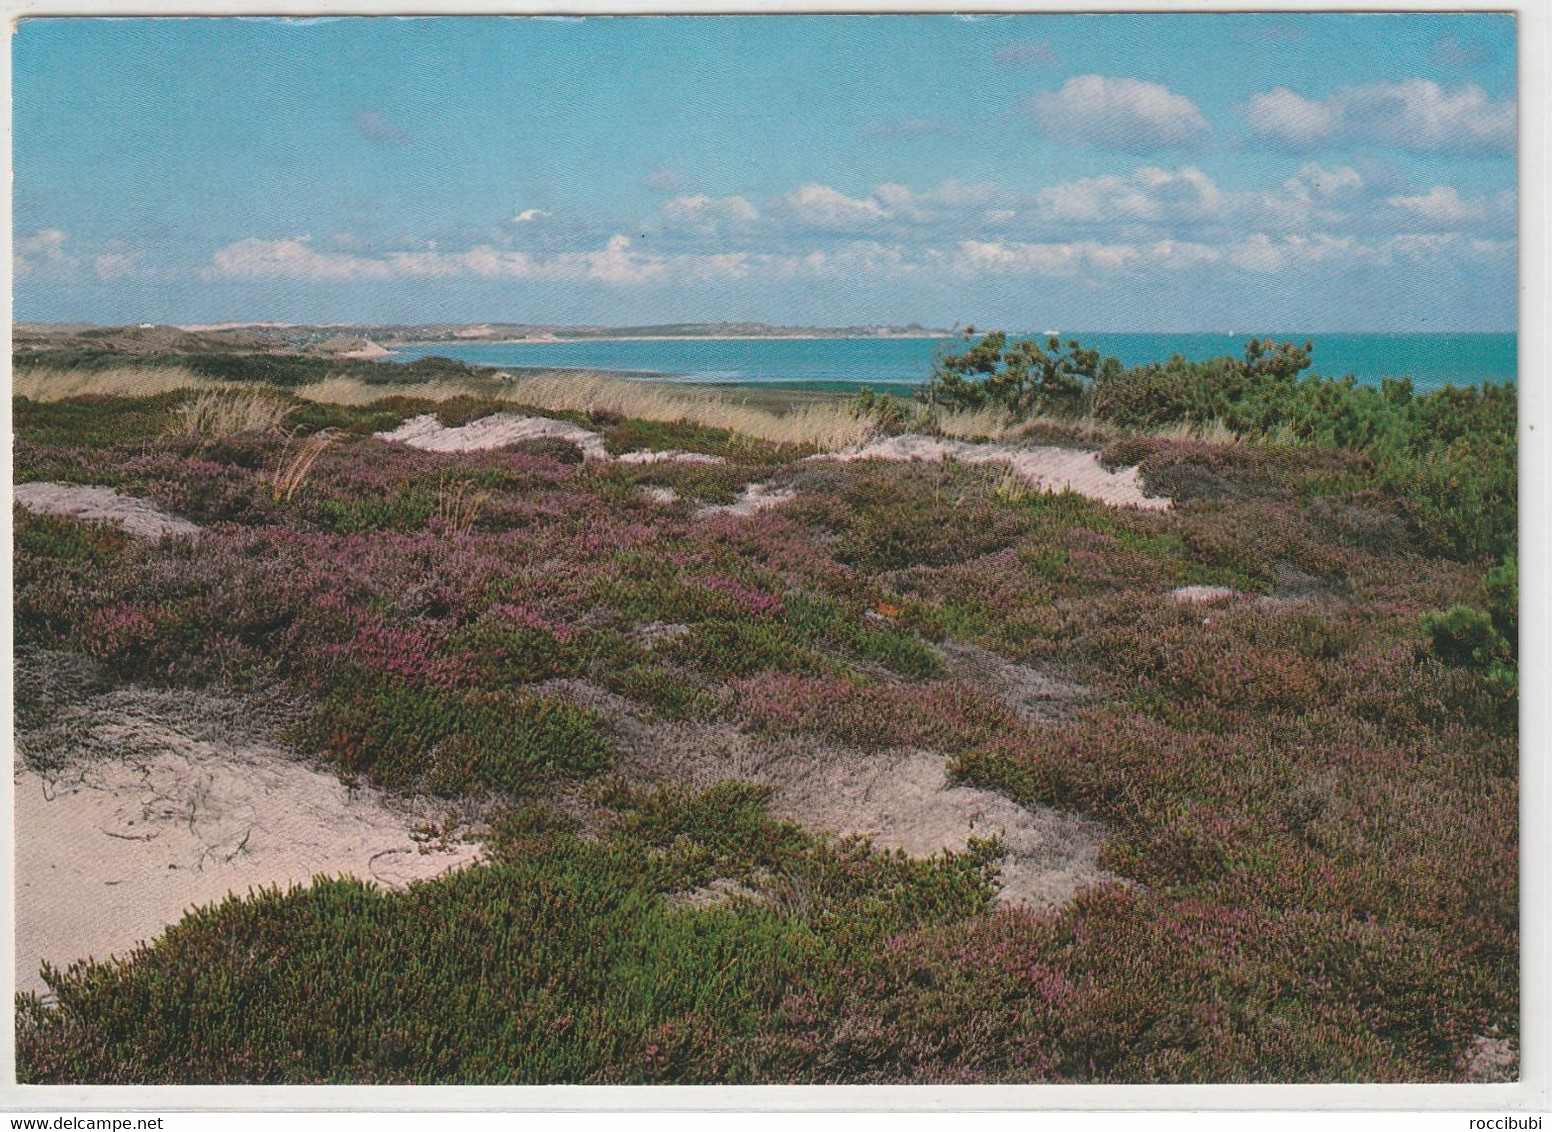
910 550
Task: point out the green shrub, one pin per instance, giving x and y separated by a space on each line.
1023 377
1467 637
452 742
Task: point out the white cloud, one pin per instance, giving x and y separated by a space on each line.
820 206
115 265
710 213
1261 254
1079 257
1182 255
617 263
47 242
530 216
1150 222
292 258
851 261
1443 207
1290 119
1419 247
1413 114
823 207
1314 182
1117 113
1016 258
1148 194
43 249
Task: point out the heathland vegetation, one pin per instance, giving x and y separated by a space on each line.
1308 783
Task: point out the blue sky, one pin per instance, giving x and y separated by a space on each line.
1103 172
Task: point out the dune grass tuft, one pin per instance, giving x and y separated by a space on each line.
50 384
217 413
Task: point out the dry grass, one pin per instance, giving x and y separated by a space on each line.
459 505
226 412
1011 486
987 423
46 384
826 425
352 392
296 463
1213 432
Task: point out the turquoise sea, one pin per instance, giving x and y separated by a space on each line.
1431 360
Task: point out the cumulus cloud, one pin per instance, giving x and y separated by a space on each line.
530 216
1315 182
1443 207
1079 257
709 213
1186 200
1117 113
1149 223
1037 53
820 206
375 127
1415 114
1148 194
115 265
44 248
1262 254
617 263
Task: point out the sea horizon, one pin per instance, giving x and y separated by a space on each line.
1431 359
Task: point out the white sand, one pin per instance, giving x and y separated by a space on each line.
502 429
1202 595
905 800
899 799
101 504
1042 468
754 498
495 431
111 850
671 456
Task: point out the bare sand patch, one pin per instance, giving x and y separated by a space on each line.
662 496
140 805
671 456
1492 1061
1042 468
495 431
502 429
94 504
1202 595
755 497
899 799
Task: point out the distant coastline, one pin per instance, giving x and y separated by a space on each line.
811 336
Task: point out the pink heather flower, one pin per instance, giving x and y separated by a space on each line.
522 617
755 601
